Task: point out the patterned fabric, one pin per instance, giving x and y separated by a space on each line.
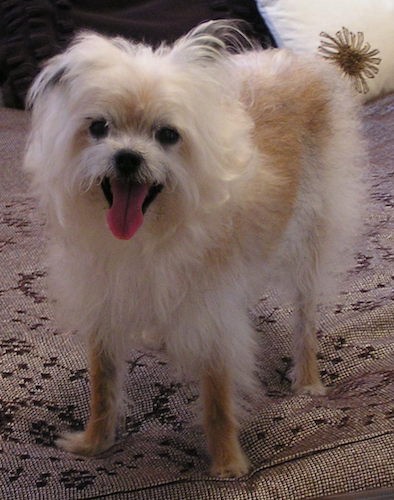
300 447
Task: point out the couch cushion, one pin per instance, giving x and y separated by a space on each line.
299 446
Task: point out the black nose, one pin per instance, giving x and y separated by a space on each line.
127 161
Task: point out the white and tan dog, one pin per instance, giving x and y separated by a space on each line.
179 183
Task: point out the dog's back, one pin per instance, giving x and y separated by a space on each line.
307 129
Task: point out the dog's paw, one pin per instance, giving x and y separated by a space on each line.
236 466
81 443
315 389
307 382
153 340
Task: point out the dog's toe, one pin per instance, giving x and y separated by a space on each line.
307 381
81 443
316 389
236 467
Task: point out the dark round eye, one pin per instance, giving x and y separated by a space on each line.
99 129
167 136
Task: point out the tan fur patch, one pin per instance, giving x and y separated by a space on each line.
290 117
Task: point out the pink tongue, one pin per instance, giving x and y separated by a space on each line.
125 215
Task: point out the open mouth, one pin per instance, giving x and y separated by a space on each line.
128 201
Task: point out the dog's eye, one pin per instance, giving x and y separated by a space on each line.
167 136
99 129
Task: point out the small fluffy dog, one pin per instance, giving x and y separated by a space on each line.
180 182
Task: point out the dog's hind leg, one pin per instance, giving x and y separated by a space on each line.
221 426
99 433
305 375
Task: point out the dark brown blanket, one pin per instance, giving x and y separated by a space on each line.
33 30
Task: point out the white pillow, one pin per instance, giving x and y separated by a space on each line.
356 34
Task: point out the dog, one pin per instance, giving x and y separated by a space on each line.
179 182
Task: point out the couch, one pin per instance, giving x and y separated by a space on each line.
337 446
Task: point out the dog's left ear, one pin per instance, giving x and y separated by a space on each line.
211 41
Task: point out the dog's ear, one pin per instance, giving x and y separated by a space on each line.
85 51
211 41
52 73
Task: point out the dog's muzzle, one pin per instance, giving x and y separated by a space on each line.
128 199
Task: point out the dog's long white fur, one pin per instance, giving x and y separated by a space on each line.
209 244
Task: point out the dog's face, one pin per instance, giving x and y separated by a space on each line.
128 144
136 130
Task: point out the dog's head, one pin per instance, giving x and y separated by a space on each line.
129 127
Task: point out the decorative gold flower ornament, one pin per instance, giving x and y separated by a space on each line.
353 56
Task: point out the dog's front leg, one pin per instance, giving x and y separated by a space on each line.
221 426
99 433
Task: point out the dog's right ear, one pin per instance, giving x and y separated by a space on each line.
85 52
51 75
211 41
